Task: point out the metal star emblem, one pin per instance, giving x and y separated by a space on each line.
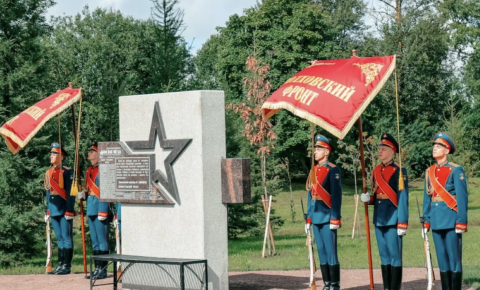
385 136
177 146
440 135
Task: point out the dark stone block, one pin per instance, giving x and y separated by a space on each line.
236 185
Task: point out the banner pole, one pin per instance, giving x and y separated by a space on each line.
367 222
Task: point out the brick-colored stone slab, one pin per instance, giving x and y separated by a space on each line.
236 186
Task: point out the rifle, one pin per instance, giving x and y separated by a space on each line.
118 247
311 256
428 256
48 265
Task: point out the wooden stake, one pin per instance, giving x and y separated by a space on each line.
355 217
270 232
267 226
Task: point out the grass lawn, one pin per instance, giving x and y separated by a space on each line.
245 253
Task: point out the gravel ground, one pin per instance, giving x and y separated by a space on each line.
413 278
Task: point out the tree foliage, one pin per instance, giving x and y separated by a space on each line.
22 75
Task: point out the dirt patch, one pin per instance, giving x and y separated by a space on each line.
413 278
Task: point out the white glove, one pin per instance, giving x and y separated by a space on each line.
424 232
365 197
307 226
67 217
334 227
81 195
102 218
46 217
459 231
401 232
115 223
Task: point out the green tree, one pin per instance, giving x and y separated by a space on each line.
416 32
22 75
464 19
167 60
99 52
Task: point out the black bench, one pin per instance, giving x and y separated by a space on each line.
165 273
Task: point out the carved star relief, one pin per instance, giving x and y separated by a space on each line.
177 145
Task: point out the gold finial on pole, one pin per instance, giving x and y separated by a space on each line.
354 52
70 85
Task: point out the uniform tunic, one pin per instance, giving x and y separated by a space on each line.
444 218
99 230
60 204
390 211
325 212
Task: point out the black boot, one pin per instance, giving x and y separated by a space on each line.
446 278
60 262
396 283
102 273
67 262
97 266
387 276
456 280
325 276
334 276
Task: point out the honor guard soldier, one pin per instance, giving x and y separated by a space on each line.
60 207
324 211
97 213
390 215
445 210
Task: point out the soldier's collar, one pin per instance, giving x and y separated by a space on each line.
95 165
442 164
322 163
388 163
56 166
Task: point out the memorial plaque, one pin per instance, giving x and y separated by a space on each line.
132 174
128 177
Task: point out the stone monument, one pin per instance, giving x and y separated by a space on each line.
167 172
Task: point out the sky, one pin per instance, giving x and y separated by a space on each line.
201 16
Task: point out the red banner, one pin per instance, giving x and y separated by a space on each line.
332 93
20 129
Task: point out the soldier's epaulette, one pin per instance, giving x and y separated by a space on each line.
453 164
331 164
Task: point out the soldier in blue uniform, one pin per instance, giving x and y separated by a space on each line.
445 210
390 215
60 207
324 210
97 213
